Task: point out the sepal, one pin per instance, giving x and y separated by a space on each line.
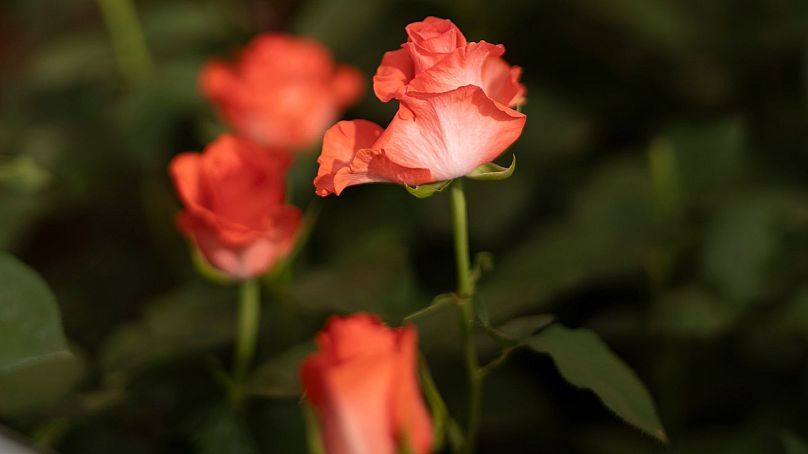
493 172
423 191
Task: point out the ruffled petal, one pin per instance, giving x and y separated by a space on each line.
348 159
394 73
431 40
464 66
501 82
450 134
374 166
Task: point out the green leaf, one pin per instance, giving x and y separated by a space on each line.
522 327
30 323
793 444
423 191
586 362
39 383
493 172
439 301
186 321
481 310
225 431
24 173
278 377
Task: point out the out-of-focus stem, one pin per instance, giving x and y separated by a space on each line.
249 315
126 34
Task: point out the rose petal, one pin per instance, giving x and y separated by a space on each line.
409 413
501 82
394 72
431 40
354 410
245 260
347 159
462 67
450 134
340 144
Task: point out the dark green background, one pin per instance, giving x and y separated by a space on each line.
660 199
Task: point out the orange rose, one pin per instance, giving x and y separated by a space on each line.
363 385
454 114
234 194
283 91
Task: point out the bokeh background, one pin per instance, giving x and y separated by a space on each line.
660 199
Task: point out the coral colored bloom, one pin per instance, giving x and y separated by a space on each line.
454 114
363 385
283 91
234 194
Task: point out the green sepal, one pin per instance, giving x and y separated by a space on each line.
423 191
493 172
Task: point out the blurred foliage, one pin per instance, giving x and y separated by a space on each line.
660 200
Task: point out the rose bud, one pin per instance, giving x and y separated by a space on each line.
363 385
234 213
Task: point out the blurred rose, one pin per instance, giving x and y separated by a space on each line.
364 387
282 91
453 117
233 194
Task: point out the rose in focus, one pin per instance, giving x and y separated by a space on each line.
235 213
454 114
363 385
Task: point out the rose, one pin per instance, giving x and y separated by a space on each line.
282 91
363 385
437 52
234 205
453 117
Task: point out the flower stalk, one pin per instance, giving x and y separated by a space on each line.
249 315
465 310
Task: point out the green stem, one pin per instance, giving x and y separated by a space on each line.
465 292
249 315
465 288
124 30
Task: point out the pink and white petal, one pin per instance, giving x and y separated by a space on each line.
464 66
373 166
451 133
393 74
340 144
239 252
